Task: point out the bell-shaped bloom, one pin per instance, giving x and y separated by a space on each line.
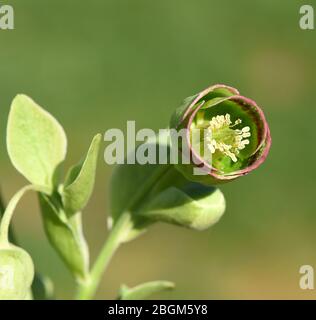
226 135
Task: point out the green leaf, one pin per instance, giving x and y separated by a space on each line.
131 183
144 290
192 205
36 142
80 180
65 235
130 187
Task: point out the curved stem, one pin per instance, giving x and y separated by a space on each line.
8 213
116 237
12 237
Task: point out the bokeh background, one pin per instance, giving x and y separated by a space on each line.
96 64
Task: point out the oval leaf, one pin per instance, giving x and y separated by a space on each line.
194 206
36 142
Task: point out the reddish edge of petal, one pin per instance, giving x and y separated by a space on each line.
265 135
204 93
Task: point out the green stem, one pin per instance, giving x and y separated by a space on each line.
119 233
12 236
116 237
8 213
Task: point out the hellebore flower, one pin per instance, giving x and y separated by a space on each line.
232 139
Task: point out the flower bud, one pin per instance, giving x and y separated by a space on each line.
16 273
226 135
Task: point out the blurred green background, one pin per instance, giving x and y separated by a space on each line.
96 64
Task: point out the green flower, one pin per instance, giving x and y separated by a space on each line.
226 135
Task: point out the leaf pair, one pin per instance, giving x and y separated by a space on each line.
37 147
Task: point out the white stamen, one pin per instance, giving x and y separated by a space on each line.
231 143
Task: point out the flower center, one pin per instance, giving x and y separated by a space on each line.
222 138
